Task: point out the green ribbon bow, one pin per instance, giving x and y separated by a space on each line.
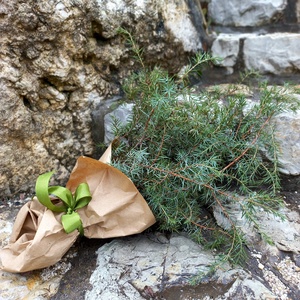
71 220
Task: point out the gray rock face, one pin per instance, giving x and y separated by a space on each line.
245 13
284 233
59 61
227 47
121 114
139 262
287 134
298 10
277 53
140 267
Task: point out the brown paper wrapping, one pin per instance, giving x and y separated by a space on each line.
38 240
117 209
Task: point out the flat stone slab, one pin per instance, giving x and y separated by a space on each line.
150 266
130 267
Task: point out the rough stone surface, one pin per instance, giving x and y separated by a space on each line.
227 47
284 233
140 267
244 286
140 262
287 126
245 13
59 61
298 10
277 53
121 114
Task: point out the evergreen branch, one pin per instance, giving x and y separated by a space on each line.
248 148
188 153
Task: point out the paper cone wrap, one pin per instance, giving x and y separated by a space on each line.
38 240
117 209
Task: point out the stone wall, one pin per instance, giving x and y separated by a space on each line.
256 35
61 62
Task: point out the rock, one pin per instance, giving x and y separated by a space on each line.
127 267
236 217
298 10
277 53
141 267
235 48
226 47
60 61
287 126
122 115
285 234
244 286
245 13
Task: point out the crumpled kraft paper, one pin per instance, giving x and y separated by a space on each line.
117 209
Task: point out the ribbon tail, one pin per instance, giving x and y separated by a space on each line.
72 222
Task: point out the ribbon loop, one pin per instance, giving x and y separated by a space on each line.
71 219
82 196
42 192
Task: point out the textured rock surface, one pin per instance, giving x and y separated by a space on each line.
227 47
245 13
121 114
59 61
287 133
140 262
284 233
140 267
278 53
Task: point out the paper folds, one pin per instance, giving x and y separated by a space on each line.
117 209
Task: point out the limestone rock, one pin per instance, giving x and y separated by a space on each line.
227 47
287 126
143 267
284 233
244 286
298 10
245 13
59 61
278 53
126 267
122 115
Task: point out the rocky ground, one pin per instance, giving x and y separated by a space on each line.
153 265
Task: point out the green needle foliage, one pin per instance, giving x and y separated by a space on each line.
188 153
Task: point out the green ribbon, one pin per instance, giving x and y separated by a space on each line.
69 203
